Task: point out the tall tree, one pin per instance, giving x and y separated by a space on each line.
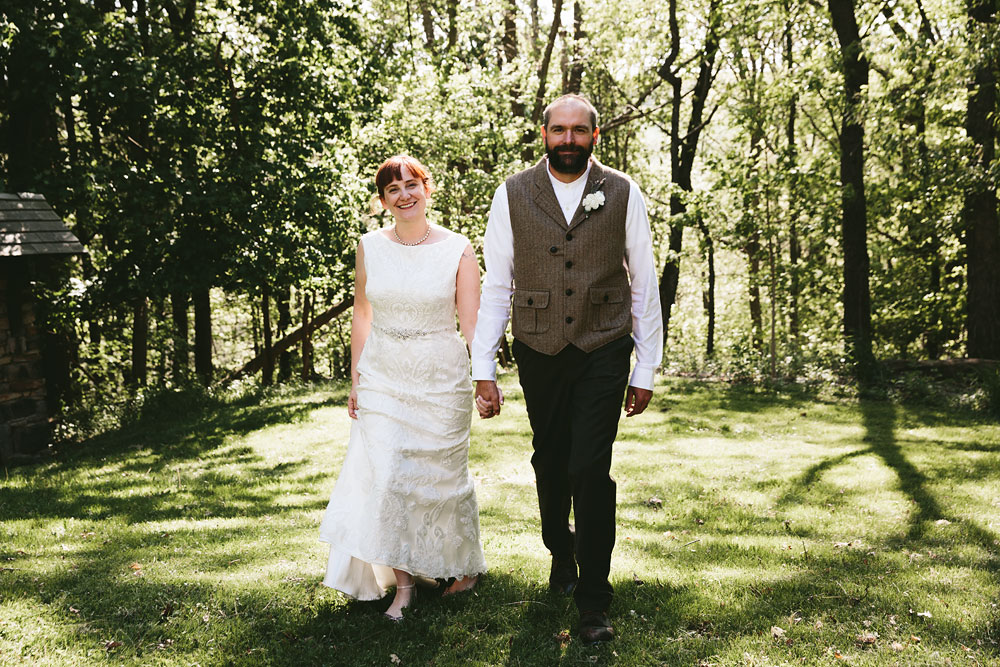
683 148
982 229
854 217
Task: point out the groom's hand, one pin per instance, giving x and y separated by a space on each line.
636 400
489 398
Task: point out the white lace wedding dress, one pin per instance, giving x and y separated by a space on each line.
405 498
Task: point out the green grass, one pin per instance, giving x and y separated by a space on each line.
793 530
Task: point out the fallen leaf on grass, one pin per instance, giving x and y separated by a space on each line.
867 638
111 645
943 522
915 639
777 632
563 637
896 646
655 503
394 659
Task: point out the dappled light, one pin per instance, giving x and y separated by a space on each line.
856 517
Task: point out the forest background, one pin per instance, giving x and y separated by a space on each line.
820 176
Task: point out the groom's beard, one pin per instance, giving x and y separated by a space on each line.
569 158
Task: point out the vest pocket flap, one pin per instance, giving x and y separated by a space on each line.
531 298
600 295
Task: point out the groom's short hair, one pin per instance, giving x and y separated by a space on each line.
570 97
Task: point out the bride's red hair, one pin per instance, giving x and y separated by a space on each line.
392 169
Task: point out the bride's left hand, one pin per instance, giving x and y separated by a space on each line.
352 403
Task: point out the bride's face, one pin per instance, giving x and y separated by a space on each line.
406 197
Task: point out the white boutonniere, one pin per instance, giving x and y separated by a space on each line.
593 201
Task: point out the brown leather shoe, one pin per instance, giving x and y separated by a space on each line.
595 627
563 576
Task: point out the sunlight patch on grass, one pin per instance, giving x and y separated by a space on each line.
194 541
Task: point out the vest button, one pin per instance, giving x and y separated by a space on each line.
605 297
553 250
569 292
569 320
531 301
569 265
569 236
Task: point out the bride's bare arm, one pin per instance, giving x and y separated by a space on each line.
467 293
361 326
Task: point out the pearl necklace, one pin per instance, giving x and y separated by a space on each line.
422 238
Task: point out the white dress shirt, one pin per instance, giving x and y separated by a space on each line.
498 251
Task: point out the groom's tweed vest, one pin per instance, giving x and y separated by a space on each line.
570 283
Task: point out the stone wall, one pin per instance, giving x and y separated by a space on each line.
25 431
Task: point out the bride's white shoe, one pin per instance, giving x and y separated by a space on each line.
399 615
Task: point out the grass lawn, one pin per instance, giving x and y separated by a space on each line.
755 528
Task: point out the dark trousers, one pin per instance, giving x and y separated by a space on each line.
574 401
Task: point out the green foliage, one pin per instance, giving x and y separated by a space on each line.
232 148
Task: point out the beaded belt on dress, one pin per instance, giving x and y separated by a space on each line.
400 333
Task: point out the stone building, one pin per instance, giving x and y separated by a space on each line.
32 237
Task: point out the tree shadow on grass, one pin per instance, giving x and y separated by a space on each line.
879 421
138 472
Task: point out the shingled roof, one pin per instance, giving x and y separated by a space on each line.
29 226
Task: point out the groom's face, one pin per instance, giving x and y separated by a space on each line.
569 138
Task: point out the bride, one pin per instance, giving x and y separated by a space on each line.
404 504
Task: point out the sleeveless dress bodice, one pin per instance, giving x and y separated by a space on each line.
405 498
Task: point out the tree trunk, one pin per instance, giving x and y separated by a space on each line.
979 213
752 250
181 349
751 231
791 167
708 297
854 220
575 76
140 341
533 10
683 149
267 377
428 22
307 346
203 334
283 300
543 66
452 23
771 261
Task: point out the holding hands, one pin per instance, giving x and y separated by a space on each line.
489 398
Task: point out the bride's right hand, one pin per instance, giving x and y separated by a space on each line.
352 403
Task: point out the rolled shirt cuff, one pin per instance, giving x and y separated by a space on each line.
484 370
642 377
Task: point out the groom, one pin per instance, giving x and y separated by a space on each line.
568 242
